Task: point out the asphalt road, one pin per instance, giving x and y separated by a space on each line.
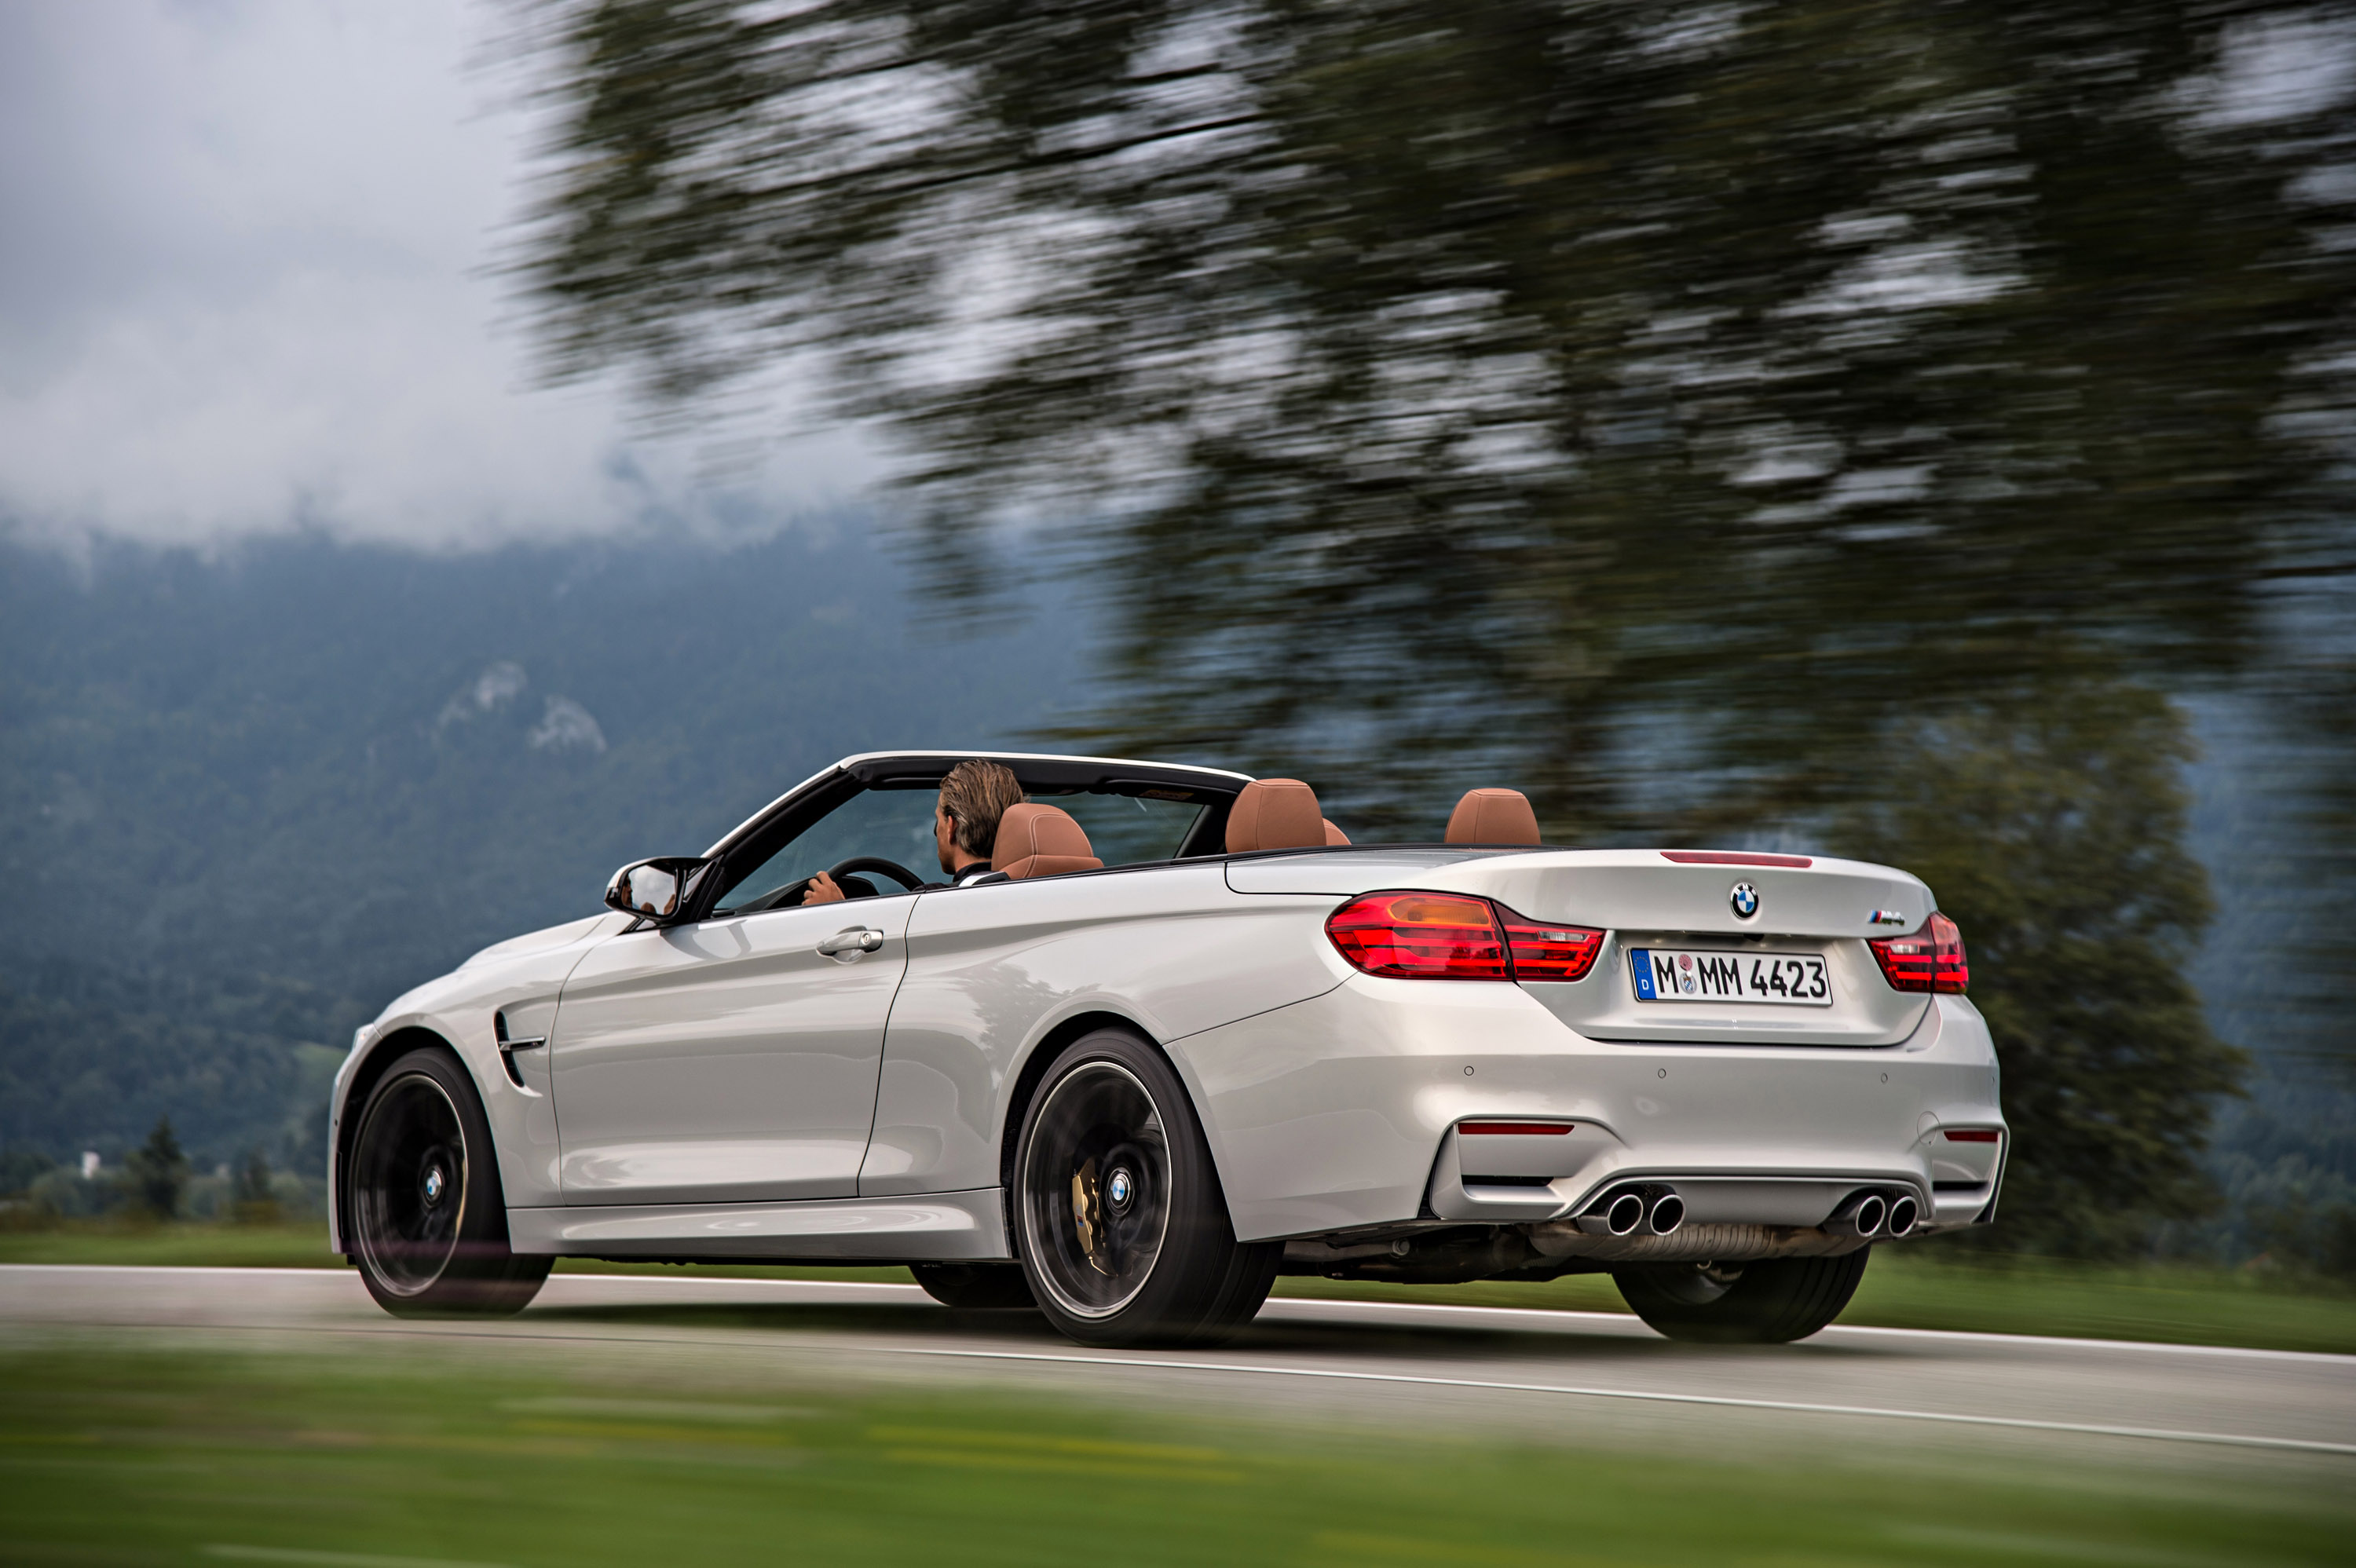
1591 1378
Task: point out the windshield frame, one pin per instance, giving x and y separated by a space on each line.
752 843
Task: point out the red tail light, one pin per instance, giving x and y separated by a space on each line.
1931 959
1420 936
1549 952
1448 936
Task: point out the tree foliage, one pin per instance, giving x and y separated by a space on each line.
157 1172
1554 390
2050 825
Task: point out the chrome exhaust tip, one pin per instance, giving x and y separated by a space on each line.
1904 1214
1862 1215
1668 1213
1625 1213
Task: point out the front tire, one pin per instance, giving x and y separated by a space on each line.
1118 1217
428 1222
1771 1302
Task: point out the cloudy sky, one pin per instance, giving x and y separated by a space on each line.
243 288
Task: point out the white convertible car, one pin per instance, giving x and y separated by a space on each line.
1189 1040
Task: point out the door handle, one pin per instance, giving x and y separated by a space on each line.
849 944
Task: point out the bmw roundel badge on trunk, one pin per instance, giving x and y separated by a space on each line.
1745 899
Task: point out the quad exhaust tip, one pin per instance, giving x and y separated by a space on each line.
1863 1215
1653 1211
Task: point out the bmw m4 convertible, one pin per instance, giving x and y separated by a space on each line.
1184 1037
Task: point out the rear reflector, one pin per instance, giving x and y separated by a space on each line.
1974 1135
1516 1129
1734 858
1929 959
1420 936
1450 936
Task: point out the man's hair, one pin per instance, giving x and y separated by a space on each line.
975 794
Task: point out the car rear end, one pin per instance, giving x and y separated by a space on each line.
1609 1057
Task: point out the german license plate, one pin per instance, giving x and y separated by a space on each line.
1786 979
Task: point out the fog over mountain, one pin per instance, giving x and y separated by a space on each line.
254 797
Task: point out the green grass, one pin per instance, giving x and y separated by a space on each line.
1911 1288
429 1453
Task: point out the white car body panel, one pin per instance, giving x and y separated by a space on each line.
521 978
993 969
947 1227
719 1088
727 1061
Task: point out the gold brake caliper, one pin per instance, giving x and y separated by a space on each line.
1085 1208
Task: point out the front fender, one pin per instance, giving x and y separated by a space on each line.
456 1011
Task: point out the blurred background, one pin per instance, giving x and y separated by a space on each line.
447 450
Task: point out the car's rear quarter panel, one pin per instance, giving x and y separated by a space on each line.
996 970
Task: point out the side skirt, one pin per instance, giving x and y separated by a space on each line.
939 1227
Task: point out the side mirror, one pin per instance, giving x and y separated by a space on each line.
653 890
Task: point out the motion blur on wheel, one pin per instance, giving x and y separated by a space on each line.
428 1225
1178 1036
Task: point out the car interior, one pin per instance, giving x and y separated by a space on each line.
876 836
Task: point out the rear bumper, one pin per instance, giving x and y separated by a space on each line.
1340 1113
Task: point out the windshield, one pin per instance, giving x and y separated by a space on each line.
896 825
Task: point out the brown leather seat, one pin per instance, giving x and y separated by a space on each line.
1040 841
1334 838
1274 814
1493 816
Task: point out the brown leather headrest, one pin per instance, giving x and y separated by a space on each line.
1335 836
1274 814
1493 816
1040 841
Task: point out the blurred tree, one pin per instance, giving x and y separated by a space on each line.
2050 821
157 1172
1568 391
20 1167
255 1203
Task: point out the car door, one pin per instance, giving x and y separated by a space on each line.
730 1060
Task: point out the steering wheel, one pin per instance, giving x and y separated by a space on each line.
891 869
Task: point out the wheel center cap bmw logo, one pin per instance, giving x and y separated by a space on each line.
434 1182
1744 899
1121 1188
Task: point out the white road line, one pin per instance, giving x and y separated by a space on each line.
1536 1315
1965 1336
2158 1434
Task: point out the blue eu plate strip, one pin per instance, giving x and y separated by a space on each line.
1643 959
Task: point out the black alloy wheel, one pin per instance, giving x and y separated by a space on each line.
427 1223
1771 1302
1118 1217
976 1287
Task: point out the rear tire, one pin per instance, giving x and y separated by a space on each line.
428 1224
1771 1302
976 1287
1118 1217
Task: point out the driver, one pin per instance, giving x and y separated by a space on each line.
974 795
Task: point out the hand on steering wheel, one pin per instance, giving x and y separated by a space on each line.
891 868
